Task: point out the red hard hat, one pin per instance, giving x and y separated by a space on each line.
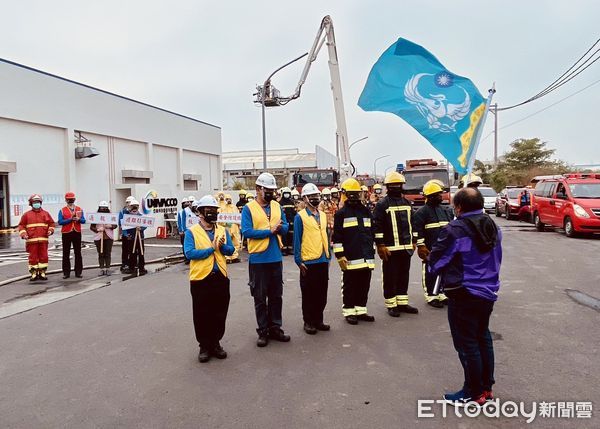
35 197
69 195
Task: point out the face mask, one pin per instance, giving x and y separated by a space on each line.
353 198
70 201
251 198
228 201
133 210
287 195
295 197
103 210
435 199
221 198
378 191
37 206
326 197
394 192
210 216
314 201
268 196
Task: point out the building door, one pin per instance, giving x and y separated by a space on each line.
4 206
120 196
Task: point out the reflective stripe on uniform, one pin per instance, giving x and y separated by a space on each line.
379 235
36 240
420 241
392 211
360 310
401 247
371 263
436 224
338 247
33 225
43 265
350 221
390 302
402 299
366 222
348 311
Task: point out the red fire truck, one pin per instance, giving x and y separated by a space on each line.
420 171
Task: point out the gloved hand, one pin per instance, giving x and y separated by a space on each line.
343 263
383 252
423 252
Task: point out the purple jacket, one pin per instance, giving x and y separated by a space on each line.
461 258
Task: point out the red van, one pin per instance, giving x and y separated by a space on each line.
571 201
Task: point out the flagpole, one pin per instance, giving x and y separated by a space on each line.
491 91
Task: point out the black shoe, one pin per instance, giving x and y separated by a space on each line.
445 301
436 303
352 320
123 268
309 329
262 341
66 276
78 276
143 272
203 356
393 311
407 309
278 335
323 327
365 318
218 352
126 271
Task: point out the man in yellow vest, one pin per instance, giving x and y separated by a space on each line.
311 254
206 245
263 224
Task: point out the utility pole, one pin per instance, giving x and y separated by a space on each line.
495 134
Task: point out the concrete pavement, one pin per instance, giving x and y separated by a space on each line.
125 355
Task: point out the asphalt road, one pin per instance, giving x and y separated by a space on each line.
124 355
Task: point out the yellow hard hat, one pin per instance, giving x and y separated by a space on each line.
249 195
350 185
432 187
326 191
227 196
394 177
242 192
364 188
376 186
472 178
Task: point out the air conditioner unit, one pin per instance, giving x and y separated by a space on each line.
86 152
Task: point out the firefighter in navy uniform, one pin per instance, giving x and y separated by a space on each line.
353 247
428 222
289 209
393 236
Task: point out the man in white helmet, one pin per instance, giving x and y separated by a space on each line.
263 224
207 244
312 252
125 250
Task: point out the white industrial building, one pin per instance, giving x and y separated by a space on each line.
245 166
49 126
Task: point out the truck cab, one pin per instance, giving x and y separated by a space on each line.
420 171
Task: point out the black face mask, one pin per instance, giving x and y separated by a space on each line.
211 216
314 201
103 210
353 198
394 192
434 200
269 195
70 201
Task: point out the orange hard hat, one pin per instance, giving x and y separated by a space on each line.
69 195
35 197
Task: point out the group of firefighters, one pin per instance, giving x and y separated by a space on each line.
314 227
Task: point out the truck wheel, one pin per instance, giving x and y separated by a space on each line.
498 214
538 223
569 229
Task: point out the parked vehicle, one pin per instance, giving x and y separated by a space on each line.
571 202
507 202
420 171
489 198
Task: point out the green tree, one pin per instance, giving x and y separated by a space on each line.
527 153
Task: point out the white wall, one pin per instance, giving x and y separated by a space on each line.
165 165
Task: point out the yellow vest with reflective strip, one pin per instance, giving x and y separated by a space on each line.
201 268
260 221
314 236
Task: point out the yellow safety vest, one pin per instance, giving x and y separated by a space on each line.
260 221
314 236
201 268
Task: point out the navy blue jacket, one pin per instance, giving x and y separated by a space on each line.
461 259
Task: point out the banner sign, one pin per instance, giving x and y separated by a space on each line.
102 218
229 218
132 221
191 220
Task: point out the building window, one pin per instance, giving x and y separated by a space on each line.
136 181
190 185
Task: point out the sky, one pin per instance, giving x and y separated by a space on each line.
204 58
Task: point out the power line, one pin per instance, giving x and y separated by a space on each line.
566 77
549 106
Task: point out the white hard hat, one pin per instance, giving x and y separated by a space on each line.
103 204
310 189
191 198
129 199
134 202
266 180
207 201
286 189
185 200
334 190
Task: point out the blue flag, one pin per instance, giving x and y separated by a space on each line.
446 109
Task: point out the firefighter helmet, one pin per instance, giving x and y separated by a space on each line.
326 191
295 192
364 188
394 177
35 197
70 196
351 185
376 186
432 187
242 192
335 190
